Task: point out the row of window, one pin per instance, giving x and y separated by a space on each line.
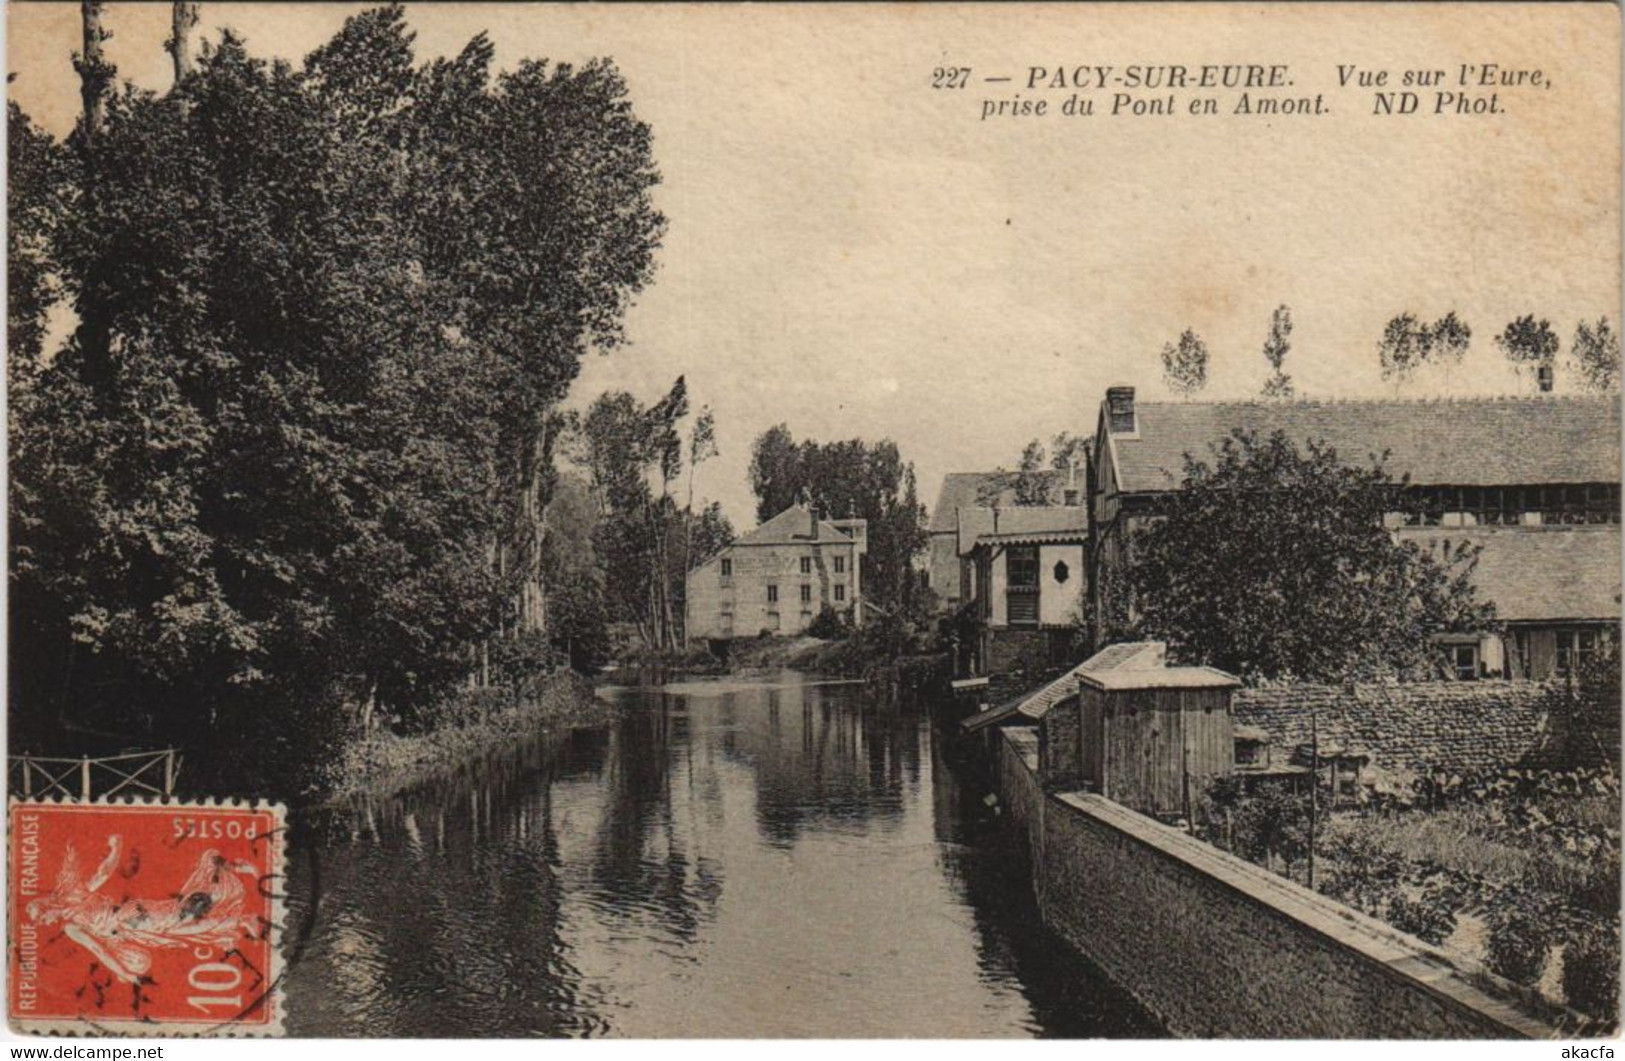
1491 506
1574 650
806 593
806 566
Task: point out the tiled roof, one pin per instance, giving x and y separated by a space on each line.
1536 574
1128 656
1164 678
981 524
792 526
973 489
1464 442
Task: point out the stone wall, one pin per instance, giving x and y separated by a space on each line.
1020 794
1216 947
1455 727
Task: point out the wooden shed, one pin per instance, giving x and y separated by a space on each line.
1154 739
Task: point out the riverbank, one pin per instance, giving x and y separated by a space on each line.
849 657
479 721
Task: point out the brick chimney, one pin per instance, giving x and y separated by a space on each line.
1120 410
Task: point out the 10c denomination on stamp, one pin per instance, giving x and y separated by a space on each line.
145 918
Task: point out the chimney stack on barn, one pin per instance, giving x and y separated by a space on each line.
1120 410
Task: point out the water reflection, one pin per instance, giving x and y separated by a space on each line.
781 859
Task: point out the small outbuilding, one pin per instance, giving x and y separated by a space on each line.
1150 738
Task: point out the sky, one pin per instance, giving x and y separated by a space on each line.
855 254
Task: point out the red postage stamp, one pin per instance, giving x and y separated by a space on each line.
131 919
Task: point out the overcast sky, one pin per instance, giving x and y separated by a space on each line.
856 255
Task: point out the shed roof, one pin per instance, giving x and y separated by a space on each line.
1456 442
1541 574
1021 524
1036 703
1163 678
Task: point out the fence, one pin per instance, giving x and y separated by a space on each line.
148 773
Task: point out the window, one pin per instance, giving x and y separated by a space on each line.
772 594
1021 565
806 593
1520 645
1464 662
1021 585
1062 572
727 568
773 622
840 565
806 565
840 592
1575 649
1602 503
727 622
1247 753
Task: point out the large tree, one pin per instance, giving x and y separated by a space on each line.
298 449
1276 346
1184 363
1529 344
1274 562
644 542
1402 348
1596 355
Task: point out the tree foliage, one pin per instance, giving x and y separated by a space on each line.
1184 363
1402 348
1408 343
1528 343
1596 355
1272 562
1276 346
644 543
1041 474
1449 339
299 446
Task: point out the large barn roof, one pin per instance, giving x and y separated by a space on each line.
1456 442
1542 574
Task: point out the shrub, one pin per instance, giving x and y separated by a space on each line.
1591 971
829 624
1518 943
1429 917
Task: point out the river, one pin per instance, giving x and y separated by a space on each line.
779 858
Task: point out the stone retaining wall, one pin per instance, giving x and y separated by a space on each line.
1214 946
1454 727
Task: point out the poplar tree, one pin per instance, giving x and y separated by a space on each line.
1276 347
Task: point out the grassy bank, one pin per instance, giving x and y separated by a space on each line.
475 722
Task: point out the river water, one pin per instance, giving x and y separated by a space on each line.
778 858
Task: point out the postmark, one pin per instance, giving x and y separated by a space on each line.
145 918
